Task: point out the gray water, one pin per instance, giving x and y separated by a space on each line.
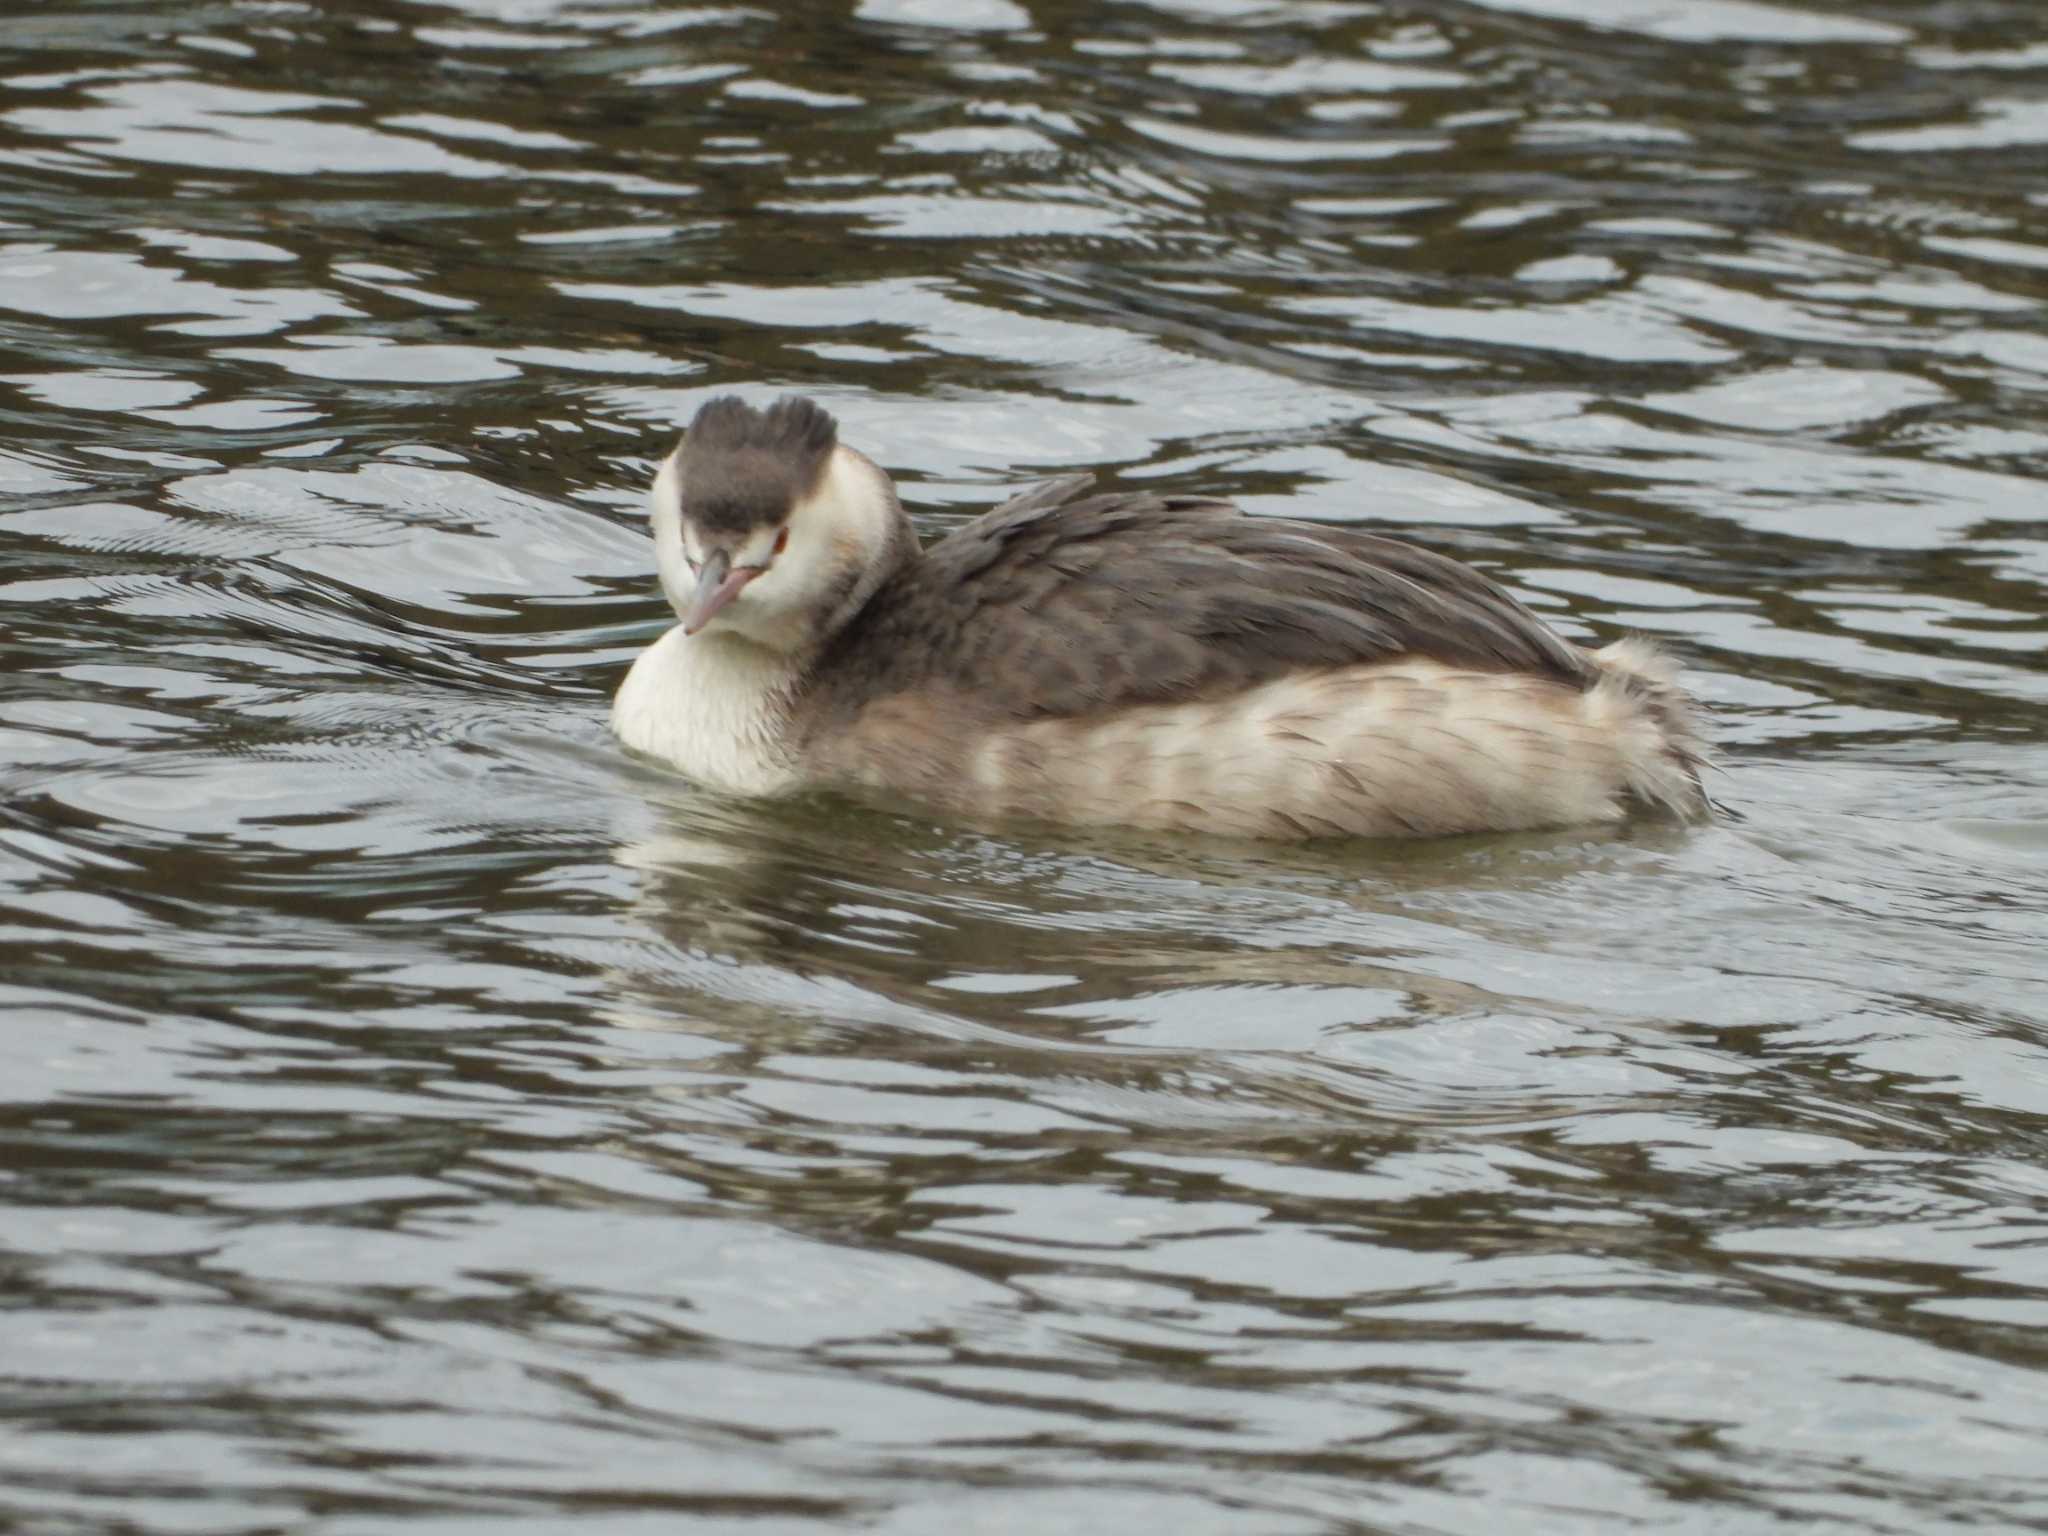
416 1116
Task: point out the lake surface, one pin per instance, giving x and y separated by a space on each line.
418 1117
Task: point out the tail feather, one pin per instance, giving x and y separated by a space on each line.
1658 724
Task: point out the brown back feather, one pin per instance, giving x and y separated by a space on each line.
1052 606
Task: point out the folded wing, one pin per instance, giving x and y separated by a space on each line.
1060 604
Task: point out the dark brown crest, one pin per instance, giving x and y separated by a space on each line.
743 468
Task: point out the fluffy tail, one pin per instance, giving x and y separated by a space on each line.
1657 724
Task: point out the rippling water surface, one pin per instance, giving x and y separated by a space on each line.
418 1116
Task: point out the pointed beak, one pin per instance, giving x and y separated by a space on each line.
718 583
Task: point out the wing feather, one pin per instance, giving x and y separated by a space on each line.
1060 604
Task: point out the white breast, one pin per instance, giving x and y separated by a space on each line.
713 705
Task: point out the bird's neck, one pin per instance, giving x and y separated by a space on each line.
715 705
856 536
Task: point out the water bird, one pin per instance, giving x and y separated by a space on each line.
1136 658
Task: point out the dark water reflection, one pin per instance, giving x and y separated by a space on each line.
417 1116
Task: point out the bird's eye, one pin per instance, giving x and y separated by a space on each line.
781 540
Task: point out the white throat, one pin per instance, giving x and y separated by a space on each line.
716 706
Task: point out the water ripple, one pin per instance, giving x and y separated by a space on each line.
416 1114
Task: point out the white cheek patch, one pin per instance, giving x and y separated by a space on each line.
668 490
842 522
666 505
759 548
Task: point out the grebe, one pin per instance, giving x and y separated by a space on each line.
1138 659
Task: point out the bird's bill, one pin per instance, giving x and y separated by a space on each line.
718 583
